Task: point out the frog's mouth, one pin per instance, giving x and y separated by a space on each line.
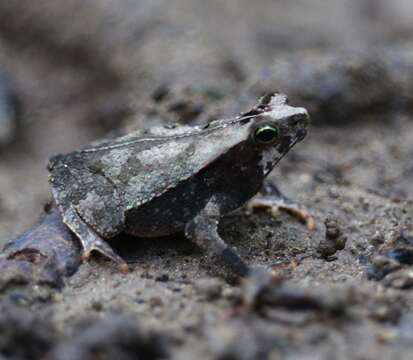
283 149
276 153
287 143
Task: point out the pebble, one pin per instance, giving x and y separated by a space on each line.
162 278
334 239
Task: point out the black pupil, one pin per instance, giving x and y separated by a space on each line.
266 135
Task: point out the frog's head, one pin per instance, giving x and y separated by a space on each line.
275 128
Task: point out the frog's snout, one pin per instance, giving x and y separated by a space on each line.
299 123
300 119
301 134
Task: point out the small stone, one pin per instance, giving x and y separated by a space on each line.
402 279
97 305
155 302
381 266
162 278
333 193
332 229
334 239
377 239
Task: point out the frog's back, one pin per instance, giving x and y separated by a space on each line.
145 167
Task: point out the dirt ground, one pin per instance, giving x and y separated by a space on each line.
75 71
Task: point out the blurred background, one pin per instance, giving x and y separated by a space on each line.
72 71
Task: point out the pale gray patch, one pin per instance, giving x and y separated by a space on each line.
285 111
179 130
114 161
269 157
155 155
278 100
91 203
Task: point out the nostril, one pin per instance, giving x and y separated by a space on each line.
296 120
301 133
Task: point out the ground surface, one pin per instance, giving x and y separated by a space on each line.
102 71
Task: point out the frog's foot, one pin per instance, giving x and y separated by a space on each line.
103 248
271 198
90 240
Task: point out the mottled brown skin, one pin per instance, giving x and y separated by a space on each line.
169 180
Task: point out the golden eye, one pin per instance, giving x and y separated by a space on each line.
266 134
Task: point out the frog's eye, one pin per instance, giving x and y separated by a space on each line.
266 134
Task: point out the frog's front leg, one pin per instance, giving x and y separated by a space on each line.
271 198
203 230
90 240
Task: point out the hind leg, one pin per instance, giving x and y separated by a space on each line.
90 240
91 207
